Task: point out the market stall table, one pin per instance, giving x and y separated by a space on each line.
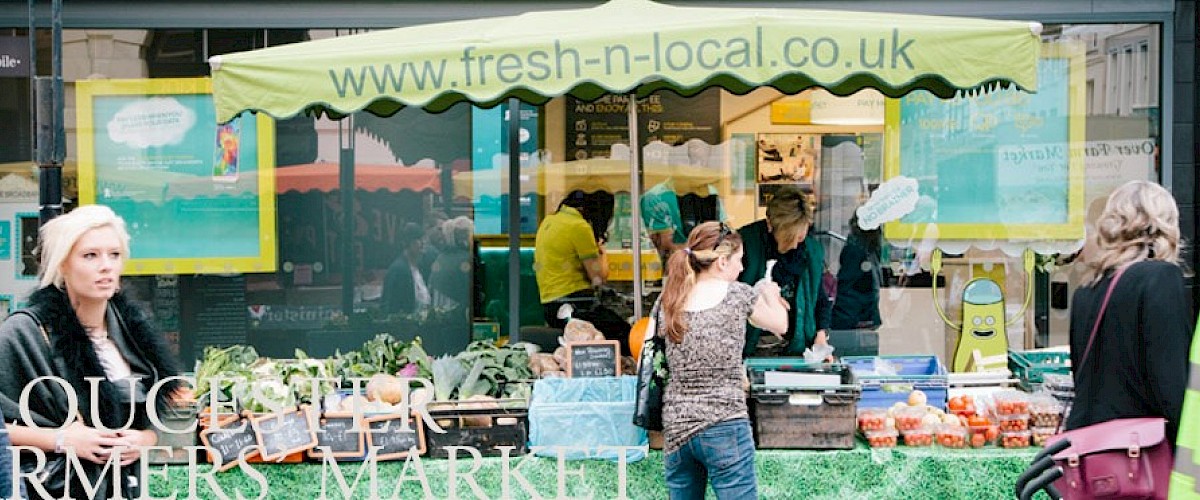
901 473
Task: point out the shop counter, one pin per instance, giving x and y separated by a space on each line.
900 473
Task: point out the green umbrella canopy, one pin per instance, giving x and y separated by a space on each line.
624 46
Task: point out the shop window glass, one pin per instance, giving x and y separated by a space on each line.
441 179
408 166
1116 75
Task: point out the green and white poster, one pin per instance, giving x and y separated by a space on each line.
1000 165
197 196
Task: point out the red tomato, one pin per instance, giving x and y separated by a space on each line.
992 433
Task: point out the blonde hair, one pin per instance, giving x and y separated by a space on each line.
1139 222
708 242
788 212
59 236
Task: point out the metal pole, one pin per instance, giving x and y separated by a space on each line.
32 33
635 202
49 170
60 132
346 185
51 131
514 220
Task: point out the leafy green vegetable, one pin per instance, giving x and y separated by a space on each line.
501 366
448 373
474 383
228 362
519 390
383 354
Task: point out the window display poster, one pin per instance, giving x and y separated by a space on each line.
197 196
1000 165
489 146
594 127
5 240
788 158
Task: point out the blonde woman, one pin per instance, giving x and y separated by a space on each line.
1137 366
78 325
704 310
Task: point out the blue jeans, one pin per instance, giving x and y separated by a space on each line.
722 453
6 459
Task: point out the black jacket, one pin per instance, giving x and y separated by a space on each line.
47 339
399 290
24 356
1138 365
857 300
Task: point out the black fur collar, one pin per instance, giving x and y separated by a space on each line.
53 309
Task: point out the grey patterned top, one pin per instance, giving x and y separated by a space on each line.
705 382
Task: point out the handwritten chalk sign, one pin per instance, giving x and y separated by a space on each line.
394 441
594 359
336 431
227 440
281 434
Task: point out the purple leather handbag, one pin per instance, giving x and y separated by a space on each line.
1119 459
1123 458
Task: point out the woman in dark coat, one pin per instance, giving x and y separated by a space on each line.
77 326
1138 364
859 277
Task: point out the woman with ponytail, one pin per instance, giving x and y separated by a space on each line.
703 313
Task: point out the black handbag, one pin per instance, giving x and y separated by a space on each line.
652 375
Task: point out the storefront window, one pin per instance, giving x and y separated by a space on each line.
407 242
431 195
994 174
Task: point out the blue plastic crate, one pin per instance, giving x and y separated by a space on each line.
585 412
926 373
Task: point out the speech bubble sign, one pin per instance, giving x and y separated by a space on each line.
894 199
153 122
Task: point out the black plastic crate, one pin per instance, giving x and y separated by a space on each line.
482 429
819 418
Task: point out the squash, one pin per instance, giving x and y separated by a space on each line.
386 388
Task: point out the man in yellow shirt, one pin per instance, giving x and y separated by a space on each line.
568 264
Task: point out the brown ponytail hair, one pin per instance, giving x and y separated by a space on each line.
708 242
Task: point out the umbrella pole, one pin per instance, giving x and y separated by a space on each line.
635 203
514 220
346 185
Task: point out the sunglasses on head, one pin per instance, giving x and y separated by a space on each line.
725 231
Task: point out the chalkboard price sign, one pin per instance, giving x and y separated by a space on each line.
394 441
594 359
280 435
227 439
337 432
